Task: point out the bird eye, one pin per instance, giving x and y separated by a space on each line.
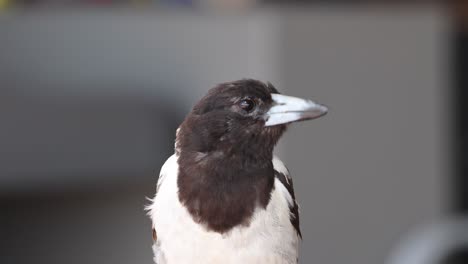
247 104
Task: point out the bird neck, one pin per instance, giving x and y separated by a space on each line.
222 190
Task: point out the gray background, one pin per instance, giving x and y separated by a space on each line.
90 101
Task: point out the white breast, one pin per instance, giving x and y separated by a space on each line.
270 237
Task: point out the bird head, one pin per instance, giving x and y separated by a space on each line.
243 115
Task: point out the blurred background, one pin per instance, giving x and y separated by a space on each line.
91 92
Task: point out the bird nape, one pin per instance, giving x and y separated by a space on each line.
223 197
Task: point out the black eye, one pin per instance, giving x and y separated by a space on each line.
247 104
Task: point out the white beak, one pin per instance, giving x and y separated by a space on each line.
287 109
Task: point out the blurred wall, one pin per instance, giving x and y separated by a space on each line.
365 174
379 163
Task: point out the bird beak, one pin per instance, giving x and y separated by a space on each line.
287 109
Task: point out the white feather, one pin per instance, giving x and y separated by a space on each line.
270 237
279 166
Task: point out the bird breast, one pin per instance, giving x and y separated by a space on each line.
268 238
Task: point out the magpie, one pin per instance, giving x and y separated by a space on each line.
223 197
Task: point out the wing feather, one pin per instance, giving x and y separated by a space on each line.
282 174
